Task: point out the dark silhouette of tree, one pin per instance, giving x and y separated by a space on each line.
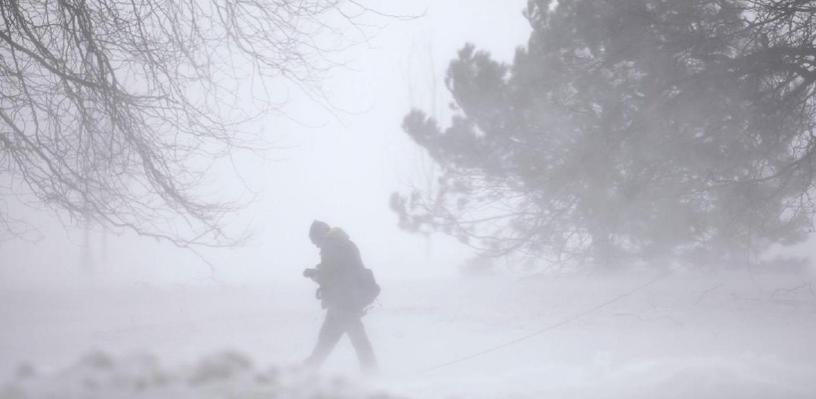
630 131
114 110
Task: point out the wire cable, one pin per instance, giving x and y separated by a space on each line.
547 328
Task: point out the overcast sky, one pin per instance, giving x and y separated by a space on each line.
339 165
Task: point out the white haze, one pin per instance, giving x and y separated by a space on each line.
736 334
338 164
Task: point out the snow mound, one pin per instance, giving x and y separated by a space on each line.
221 375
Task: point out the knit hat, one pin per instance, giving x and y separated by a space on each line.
318 229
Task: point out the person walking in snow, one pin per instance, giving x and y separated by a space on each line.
345 289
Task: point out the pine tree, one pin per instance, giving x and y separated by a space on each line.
630 130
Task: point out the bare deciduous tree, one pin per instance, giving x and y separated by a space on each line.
112 110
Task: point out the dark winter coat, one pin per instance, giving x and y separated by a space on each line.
340 264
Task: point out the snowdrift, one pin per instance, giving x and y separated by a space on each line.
222 375
714 335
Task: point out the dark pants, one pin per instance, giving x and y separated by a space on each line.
337 323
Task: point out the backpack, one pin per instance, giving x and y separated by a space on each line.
366 288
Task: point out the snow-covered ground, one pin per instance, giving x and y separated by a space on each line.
724 335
